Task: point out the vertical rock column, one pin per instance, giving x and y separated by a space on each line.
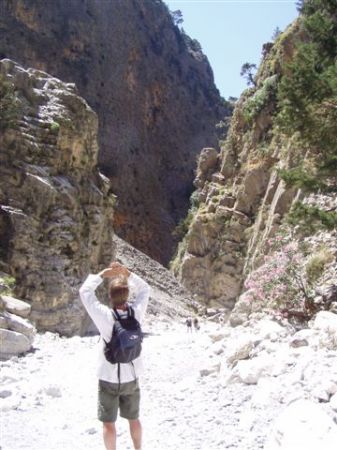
56 208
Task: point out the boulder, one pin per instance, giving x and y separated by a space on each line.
20 325
12 344
216 337
251 371
16 306
326 323
241 310
239 349
302 338
269 329
303 425
3 322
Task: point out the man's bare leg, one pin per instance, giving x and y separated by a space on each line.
109 435
136 433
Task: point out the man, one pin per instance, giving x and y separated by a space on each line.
189 325
118 386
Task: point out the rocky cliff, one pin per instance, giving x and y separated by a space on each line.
240 210
56 209
151 87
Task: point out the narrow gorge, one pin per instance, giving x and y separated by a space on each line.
151 87
116 145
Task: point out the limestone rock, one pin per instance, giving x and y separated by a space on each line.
269 329
13 343
303 425
207 163
157 104
242 309
326 323
243 205
250 371
302 338
3 323
16 306
239 349
56 209
20 325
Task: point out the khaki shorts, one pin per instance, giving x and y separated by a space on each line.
112 397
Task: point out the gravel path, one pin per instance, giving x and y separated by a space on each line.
52 405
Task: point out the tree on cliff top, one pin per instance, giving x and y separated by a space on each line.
248 71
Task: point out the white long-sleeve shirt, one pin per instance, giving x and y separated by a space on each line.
104 320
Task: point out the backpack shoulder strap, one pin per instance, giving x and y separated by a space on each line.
115 314
131 312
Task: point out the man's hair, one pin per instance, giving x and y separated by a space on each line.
118 292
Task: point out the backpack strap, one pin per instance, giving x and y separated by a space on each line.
115 314
131 312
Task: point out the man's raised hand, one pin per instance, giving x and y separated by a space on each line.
119 269
115 270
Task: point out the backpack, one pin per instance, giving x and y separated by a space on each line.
126 340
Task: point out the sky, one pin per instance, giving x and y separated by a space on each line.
232 32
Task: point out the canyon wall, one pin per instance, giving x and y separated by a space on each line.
56 209
243 200
153 91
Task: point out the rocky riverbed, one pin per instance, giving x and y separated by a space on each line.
262 386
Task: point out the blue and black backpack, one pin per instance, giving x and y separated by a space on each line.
126 340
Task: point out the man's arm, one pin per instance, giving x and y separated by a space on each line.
100 314
142 294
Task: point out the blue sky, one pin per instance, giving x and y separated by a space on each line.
232 32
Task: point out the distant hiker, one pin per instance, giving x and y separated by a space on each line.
189 325
118 387
196 324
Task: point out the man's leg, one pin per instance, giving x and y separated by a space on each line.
109 435
136 433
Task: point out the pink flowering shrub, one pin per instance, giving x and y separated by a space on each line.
279 283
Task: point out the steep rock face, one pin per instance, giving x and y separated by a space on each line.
151 87
168 297
241 200
55 208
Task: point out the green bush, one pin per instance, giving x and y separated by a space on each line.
54 127
311 218
260 99
9 104
8 284
315 266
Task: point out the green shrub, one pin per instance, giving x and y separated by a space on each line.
316 264
184 224
8 284
311 218
260 99
54 127
175 262
301 178
9 104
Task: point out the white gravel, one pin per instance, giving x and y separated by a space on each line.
48 398
52 405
